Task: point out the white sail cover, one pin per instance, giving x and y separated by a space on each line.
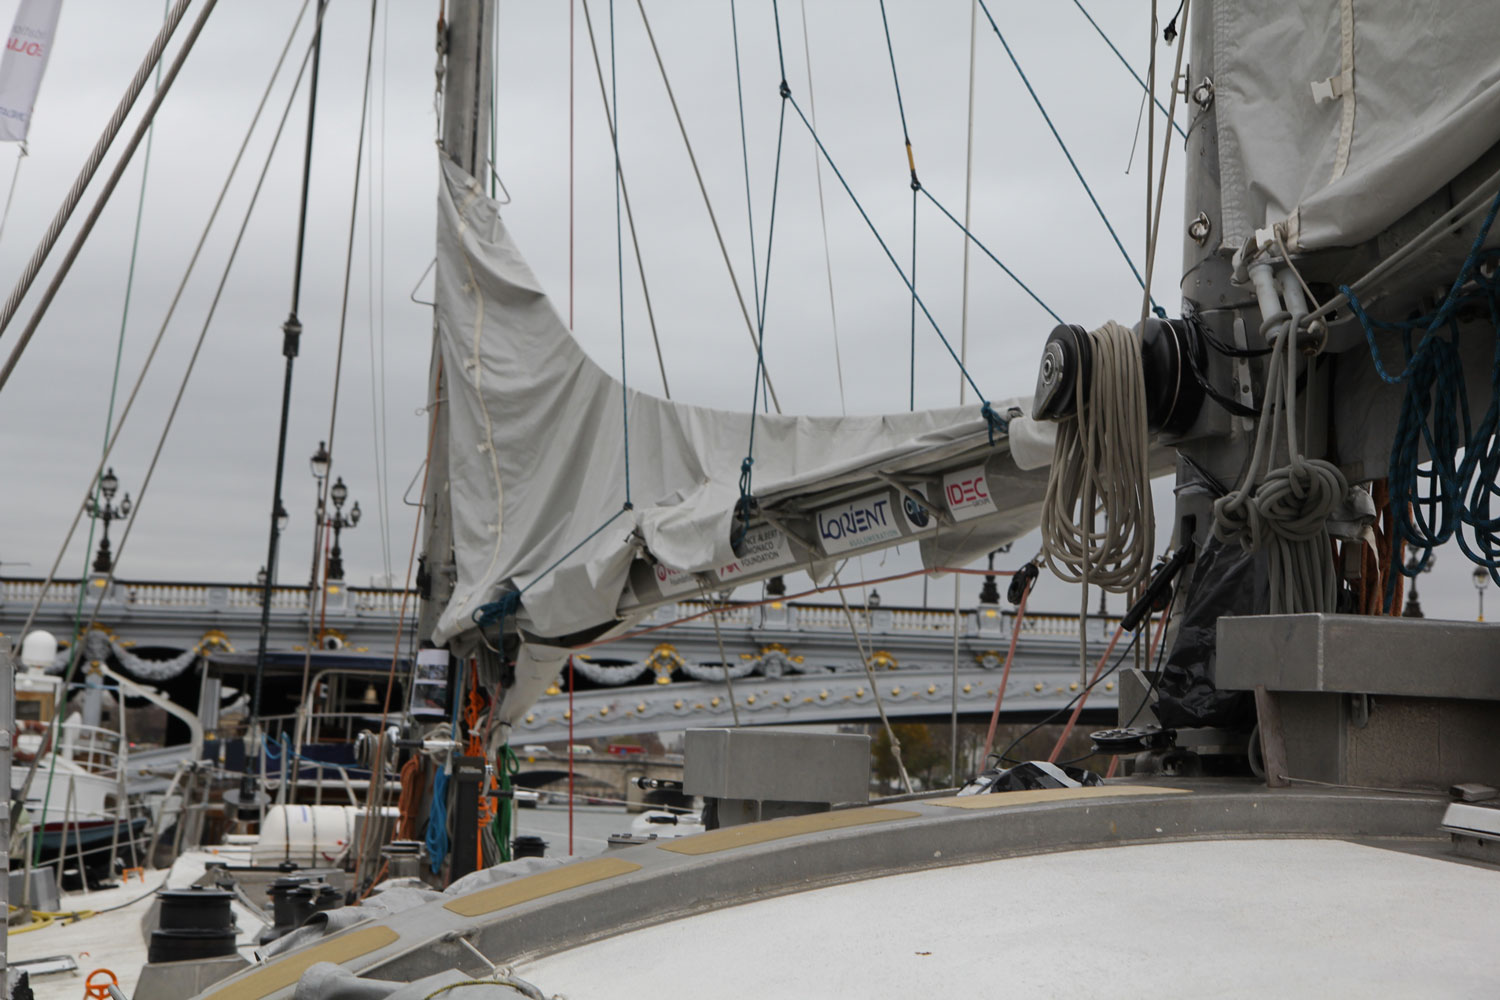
1338 117
537 462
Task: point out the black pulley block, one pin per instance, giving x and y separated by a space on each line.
1132 740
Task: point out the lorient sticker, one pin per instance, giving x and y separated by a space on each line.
968 494
858 523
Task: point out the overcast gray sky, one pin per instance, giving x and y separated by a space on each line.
204 516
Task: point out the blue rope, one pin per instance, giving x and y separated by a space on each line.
1127 65
437 822
905 134
1438 319
1431 506
995 421
614 131
508 603
1001 264
916 186
745 504
1071 162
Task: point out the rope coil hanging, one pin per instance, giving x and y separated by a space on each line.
1435 504
1099 470
1284 511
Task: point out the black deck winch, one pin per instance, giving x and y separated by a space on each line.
1168 348
196 923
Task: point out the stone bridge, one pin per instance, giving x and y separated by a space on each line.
781 662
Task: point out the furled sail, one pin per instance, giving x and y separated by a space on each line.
538 464
1337 118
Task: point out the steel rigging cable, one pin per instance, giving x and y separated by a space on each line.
187 375
1064 147
87 227
713 217
833 313
629 214
96 155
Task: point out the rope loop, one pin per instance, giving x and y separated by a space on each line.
495 612
994 421
1294 501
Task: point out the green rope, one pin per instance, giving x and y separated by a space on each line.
500 829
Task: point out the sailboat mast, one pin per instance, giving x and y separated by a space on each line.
465 43
1208 290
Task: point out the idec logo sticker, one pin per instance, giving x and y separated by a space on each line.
866 521
967 494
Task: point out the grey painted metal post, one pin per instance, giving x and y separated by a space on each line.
467 95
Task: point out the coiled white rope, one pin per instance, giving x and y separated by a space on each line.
1099 471
1285 510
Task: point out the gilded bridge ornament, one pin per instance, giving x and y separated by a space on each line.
775 660
663 660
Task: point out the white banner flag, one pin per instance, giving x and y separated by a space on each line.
22 65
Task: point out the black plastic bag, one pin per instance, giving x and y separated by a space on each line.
1225 582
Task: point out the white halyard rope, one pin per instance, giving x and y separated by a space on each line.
1099 472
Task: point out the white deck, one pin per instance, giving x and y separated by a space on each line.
1231 918
116 940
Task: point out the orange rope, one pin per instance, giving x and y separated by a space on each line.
475 748
1015 632
413 787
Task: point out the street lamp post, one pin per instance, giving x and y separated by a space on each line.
338 494
1481 584
107 511
1413 607
990 593
319 465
